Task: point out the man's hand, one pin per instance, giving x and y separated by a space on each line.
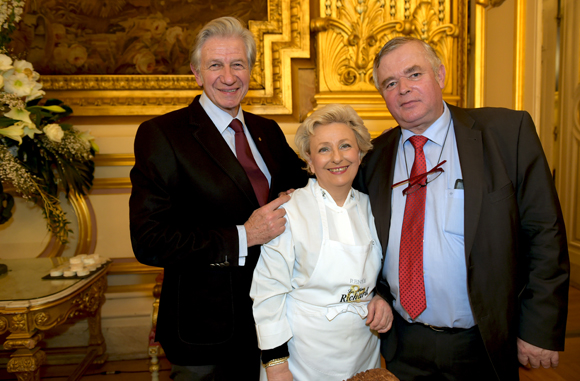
536 356
279 372
266 222
289 191
380 317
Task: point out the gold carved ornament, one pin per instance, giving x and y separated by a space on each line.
28 343
86 303
19 323
25 367
3 325
352 32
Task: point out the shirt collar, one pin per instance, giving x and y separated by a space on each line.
437 131
219 117
329 201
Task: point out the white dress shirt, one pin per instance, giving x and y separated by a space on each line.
222 120
444 263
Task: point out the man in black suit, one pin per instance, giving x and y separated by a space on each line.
199 208
489 283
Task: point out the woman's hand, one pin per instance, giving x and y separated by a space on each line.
380 317
279 372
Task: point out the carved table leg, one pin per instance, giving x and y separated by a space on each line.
25 362
96 338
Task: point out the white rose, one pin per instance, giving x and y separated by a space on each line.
54 132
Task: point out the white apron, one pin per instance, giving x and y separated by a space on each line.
327 315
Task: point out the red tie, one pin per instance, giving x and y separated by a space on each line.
245 157
411 281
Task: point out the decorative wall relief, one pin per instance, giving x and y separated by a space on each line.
351 32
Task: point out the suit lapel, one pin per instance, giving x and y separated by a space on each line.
470 150
385 172
206 133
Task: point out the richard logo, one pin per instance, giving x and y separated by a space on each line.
355 294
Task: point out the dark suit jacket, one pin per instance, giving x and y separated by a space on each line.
189 193
515 241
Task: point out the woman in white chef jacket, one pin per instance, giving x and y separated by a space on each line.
313 287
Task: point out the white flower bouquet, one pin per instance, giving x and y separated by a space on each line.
39 155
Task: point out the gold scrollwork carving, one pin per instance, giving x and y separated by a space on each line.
3 325
355 30
40 319
90 300
23 343
26 364
352 32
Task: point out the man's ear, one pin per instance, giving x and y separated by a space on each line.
440 76
198 77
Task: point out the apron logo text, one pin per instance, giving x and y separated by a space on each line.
355 294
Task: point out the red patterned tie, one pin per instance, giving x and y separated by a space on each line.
411 281
245 157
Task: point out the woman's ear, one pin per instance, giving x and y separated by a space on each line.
309 162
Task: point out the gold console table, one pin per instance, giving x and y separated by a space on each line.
30 305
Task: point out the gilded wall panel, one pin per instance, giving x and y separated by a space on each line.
350 33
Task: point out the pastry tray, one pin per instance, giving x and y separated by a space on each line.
48 277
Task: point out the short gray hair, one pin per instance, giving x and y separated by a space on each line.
332 113
224 27
397 42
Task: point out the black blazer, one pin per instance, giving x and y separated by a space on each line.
515 242
189 193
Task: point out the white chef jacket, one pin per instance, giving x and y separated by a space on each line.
287 261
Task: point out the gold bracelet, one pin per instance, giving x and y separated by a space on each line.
279 361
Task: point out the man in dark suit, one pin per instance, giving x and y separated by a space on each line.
476 261
202 181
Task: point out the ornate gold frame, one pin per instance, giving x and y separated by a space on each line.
284 36
351 32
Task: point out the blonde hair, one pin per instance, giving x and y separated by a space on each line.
332 113
223 27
